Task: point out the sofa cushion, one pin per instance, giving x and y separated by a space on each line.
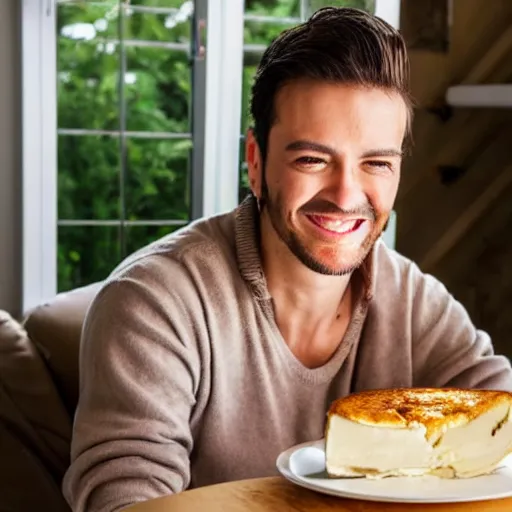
30 406
55 328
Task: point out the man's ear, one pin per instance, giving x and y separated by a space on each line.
254 163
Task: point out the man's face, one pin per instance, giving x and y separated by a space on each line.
332 170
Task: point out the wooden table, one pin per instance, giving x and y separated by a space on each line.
277 494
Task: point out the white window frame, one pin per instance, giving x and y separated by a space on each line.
388 10
39 153
215 187
224 69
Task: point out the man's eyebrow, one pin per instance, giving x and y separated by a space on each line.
383 152
302 145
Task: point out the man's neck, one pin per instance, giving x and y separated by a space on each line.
312 310
294 286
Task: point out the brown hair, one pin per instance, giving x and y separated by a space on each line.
339 45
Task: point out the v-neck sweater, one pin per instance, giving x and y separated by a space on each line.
186 380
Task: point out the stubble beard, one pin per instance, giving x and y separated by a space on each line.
277 217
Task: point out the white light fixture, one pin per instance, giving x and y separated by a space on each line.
480 96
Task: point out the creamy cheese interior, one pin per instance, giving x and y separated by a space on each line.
356 449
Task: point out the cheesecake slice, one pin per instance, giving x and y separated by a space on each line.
451 433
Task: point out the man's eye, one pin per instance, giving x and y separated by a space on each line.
309 160
379 164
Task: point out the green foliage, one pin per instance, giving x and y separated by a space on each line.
103 177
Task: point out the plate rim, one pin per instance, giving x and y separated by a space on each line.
283 466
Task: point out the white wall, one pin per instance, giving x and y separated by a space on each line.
10 156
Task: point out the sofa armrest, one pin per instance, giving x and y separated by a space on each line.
55 328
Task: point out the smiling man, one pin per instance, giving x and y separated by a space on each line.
212 350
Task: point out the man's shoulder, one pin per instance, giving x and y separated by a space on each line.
208 242
390 266
405 299
394 273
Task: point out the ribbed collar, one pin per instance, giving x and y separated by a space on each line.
247 227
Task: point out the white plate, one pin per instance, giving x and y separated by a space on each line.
304 465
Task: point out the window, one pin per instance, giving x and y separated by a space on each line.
119 112
131 115
125 148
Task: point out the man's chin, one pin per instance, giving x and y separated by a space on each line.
334 262
332 266
335 272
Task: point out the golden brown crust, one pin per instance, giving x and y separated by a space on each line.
403 407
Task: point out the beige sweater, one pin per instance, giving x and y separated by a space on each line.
186 380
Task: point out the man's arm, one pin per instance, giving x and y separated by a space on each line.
139 374
448 350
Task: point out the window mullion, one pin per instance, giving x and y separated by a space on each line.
123 157
198 107
223 98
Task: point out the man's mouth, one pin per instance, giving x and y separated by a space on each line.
338 226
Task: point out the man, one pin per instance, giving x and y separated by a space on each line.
209 352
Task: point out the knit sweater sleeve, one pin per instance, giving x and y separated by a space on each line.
139 379
448 350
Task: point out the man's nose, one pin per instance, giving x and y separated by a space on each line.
345 188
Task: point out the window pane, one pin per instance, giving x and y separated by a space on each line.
256 32
140 236
87 68
247 80
277 8
86 254
110 4
158 179
158 90
243 188
162 3
172 26
152 180
87 21
88 177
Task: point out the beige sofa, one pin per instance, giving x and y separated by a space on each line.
38 395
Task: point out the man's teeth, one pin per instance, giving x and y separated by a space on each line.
338 226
